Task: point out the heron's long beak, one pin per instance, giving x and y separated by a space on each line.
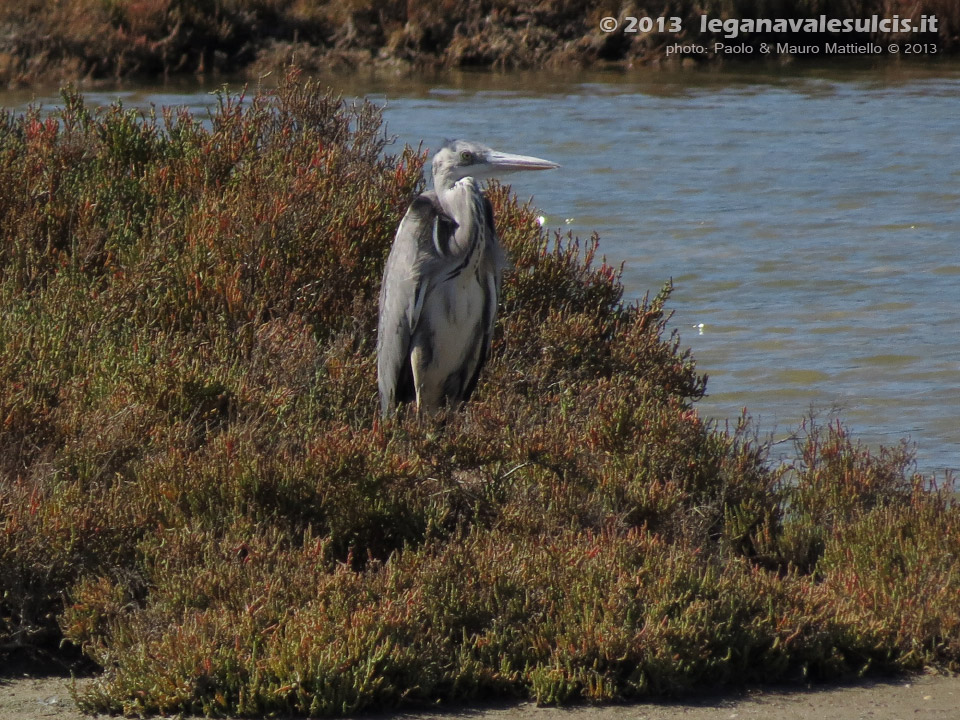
509 162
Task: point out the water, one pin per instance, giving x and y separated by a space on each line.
809 220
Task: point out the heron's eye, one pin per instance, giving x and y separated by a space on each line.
466 156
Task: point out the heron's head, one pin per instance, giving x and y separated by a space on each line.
461 158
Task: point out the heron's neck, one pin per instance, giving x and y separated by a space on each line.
463 201
443 182
461 198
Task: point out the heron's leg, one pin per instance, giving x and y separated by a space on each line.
429 390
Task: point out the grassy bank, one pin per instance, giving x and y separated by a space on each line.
71 39
197 492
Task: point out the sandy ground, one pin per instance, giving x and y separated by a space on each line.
921 697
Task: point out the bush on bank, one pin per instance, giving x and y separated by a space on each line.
196 489
58 40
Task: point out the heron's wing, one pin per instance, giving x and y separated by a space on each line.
497 261
419 248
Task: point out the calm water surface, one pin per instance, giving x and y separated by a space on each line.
809 219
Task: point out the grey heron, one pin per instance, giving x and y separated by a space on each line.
441 284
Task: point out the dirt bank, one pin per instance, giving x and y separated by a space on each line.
91 39
926 697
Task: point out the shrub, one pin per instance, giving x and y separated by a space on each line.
197 490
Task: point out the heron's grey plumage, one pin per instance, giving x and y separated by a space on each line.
441 284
